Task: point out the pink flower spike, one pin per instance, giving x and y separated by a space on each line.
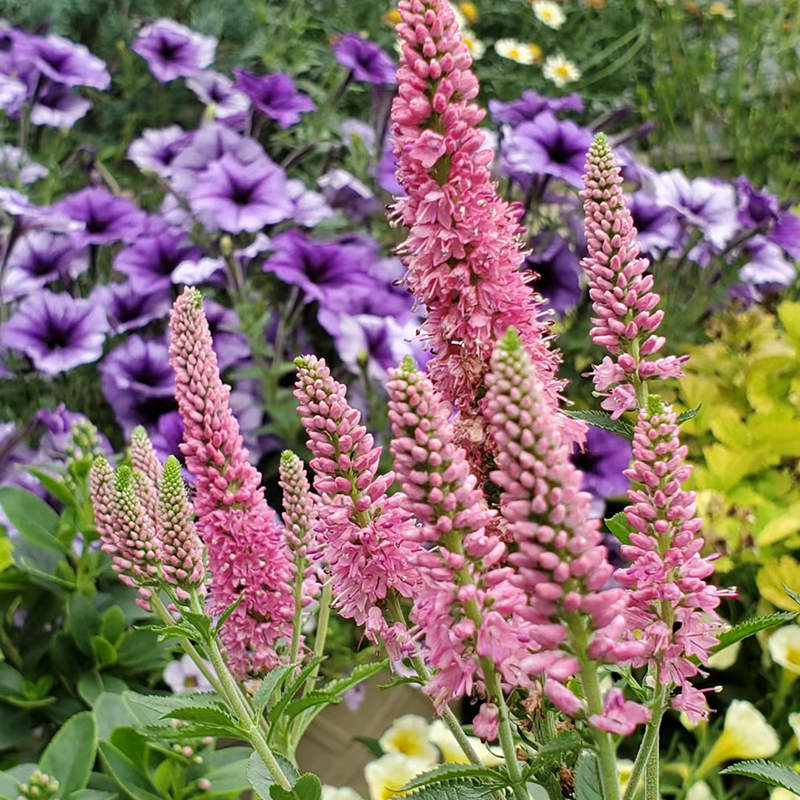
619 715
486 724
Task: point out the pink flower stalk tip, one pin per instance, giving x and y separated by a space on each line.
367 536
143 455
671 603
246 551
464 604
625 305
181 548
463 253
559 559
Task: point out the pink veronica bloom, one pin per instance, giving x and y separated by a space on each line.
367 537
559 559
246 552
463 252
465 604
625 305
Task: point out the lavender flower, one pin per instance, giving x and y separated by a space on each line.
659 230
12 94
559 274
157 147
373 344
130 307
229 345
138 382
18 166
602 461
530 105
548 146
366 60
151 261
760 209
107 218
343 191
768 269
58 107
216 91
173 50
310 207
39 257
56 331
16 204
168 437
184 675
66 62
274 95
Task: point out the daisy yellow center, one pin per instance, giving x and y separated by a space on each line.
408 743
514 52
562 71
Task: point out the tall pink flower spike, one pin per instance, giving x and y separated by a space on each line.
465 604
368 538
463 252
560 561
622 294
246 551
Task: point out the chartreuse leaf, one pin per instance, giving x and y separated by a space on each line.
307 787
32 517
767 772
685 416
752 626
130 778
620 527
70 755
268 686
450 772
587 778
602 420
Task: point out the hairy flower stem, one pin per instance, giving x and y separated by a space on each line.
300 564
651 778
594 703
649 742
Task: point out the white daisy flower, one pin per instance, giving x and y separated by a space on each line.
550 13
560 70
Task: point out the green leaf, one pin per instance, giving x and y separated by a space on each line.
131 744
449 772
84 620
112 712
268 685
258 776
164 705
105 653
752 626
359 674
277 711
793 595
112 624
299 705
92 794
71 752
165 774
307 787
93 684
685 416
9 785
620 527
453 790
398 680
6 548
587 778
602 420
55 487
128 776
552 752
226 613
207 715
32 517
373 745
767 772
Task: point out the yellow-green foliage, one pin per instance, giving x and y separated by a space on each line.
745 441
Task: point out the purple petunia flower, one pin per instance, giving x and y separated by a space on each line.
529 105
39 257
57 106
236 197
559 272
386 173
346 193
172 50
229 344
274 95
16 204
760 209
373 344
366 60
130 307
355 132
18 166
138 382
216 91
156 149
66 62
548 146
602 462
12 94
325 271
786 234
310 207
169 436
58 423
151 261
56 331
768 269
106 218
657 225
709 205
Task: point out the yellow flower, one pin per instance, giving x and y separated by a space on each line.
517 51
624 769
451 751
391 17
469 10
408 735
725 658
345 793
550 13
475 46
390 772
719 9
699 791
784 647
746 734
773 576
560 70
779 793
794 723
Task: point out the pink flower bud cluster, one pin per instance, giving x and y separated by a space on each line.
147 468
246 551
560 561
465 604
367 536
622 295
463 252
671 604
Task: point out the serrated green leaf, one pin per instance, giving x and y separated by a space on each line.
164 704
794 595
587 778
752 626
552 752
307 787
71 752
33 518
170 733
450 772
767 772
452 790
268 686
259 777
602 420
691 413
278 709
359 674
399 680
620 527
299 705
207 715
226 613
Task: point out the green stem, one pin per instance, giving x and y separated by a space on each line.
298 609
649 742
652 779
